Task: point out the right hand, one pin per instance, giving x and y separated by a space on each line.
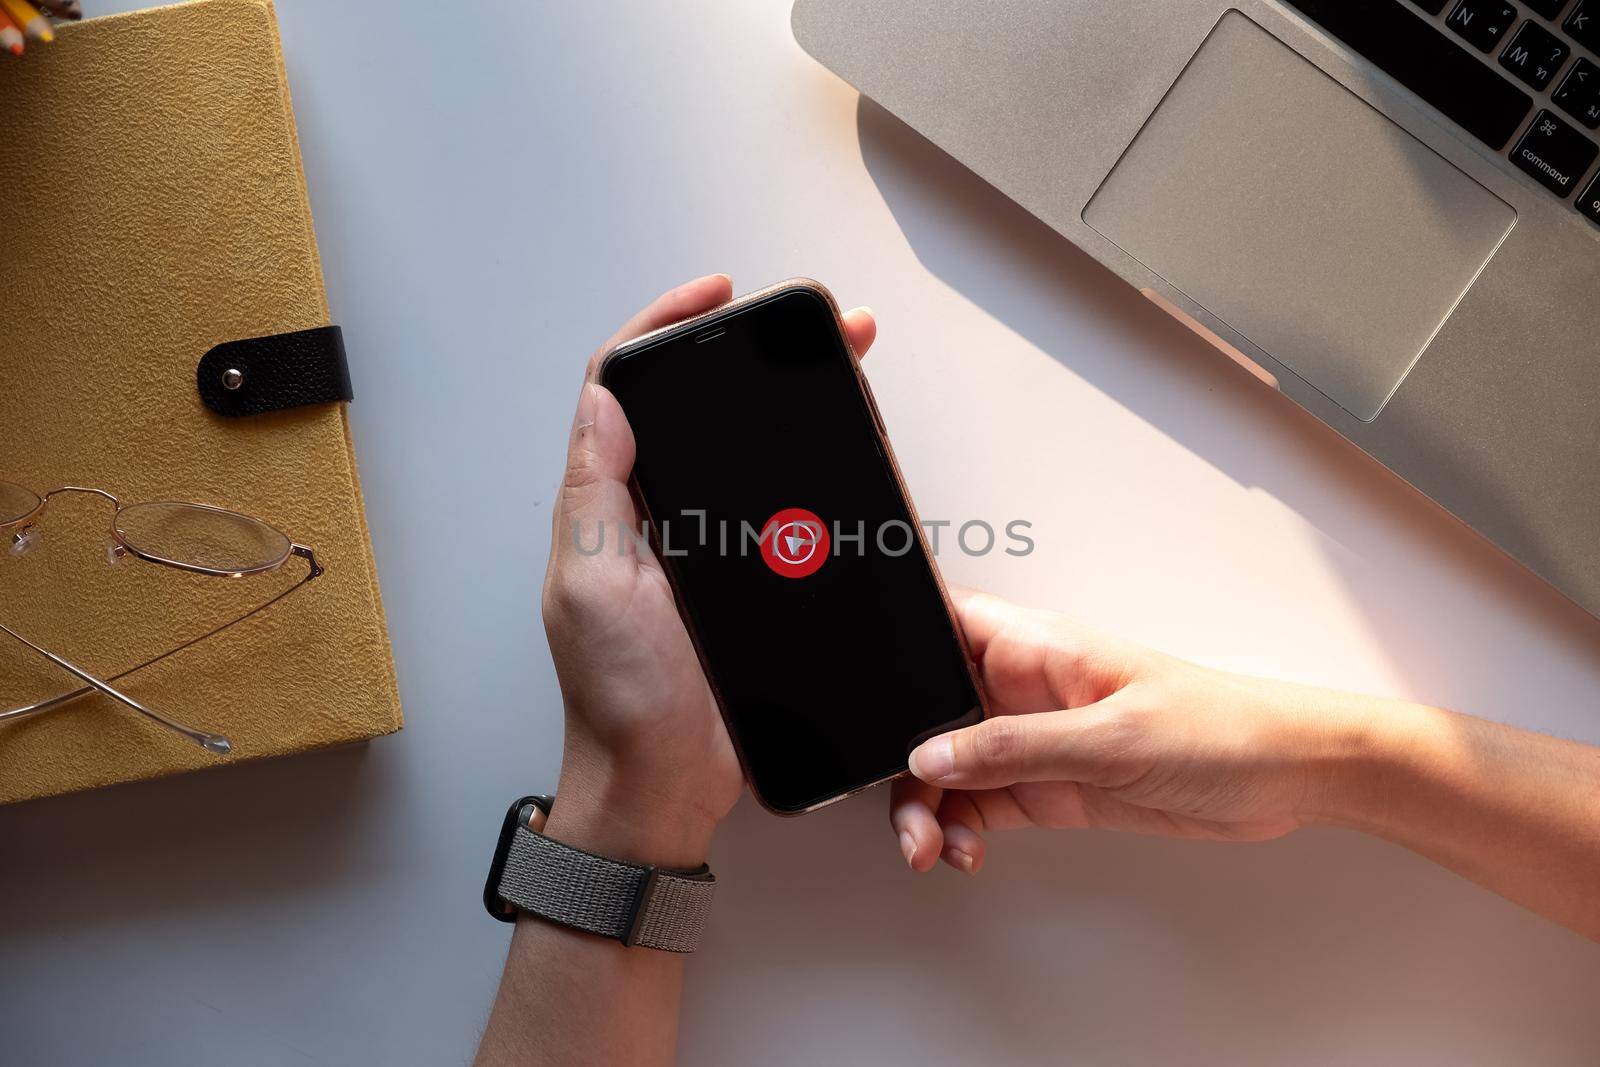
1090 732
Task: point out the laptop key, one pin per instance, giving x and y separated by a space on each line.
1432 7
1555 154
1548 8
1535 54
1579 93
1482 22
1413 52
1589 201
1584 25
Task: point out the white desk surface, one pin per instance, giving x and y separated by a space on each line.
493 194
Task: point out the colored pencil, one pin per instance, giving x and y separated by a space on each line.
28 18
10 36
62 9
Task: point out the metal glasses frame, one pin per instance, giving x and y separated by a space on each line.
18 528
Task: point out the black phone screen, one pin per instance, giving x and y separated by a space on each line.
783 527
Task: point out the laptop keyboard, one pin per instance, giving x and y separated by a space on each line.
1488 65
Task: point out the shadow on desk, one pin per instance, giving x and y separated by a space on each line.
1043 287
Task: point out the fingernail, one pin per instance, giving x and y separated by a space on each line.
868 310
706 278
934 760
963 860
587 399
908 847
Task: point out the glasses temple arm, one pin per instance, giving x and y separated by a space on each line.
210 742
314 570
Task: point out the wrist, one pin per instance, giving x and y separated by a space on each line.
1379 752
603 809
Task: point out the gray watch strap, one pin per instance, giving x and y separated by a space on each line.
637 905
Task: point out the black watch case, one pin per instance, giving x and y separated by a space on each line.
519 814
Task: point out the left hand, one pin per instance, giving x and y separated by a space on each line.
1086 731
647 770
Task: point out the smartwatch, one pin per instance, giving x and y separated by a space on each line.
637 904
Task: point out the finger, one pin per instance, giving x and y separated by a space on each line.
1037 661
962 825
983 616
599 459
594 496
1013 651
1064 746
861 328
911 813
674 305
595 537
999 809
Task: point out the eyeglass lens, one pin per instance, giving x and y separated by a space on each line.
197 536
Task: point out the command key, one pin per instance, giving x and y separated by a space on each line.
1554 153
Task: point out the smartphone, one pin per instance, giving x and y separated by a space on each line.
799 565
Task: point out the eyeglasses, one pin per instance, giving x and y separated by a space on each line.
190 537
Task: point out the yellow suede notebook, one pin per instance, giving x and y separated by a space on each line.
152 206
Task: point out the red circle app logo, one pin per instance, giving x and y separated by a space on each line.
794 543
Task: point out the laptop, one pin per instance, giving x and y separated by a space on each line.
1390 209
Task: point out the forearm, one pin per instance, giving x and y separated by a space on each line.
573 998
1516 812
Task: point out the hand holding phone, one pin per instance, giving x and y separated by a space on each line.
648 770
798 562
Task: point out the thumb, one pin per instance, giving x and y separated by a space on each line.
600 452
1068 746
599 455
594 501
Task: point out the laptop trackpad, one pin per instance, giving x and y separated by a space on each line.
1280 202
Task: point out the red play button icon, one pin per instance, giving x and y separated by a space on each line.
794 543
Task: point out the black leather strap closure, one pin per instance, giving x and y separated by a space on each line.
274 373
